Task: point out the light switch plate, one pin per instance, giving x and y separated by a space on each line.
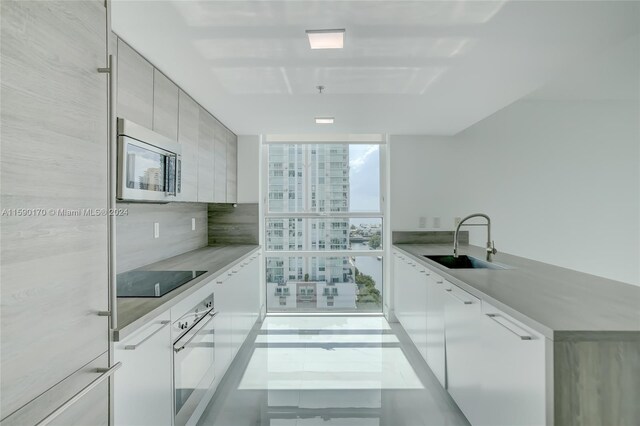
193 223
156 230
456 221
436 222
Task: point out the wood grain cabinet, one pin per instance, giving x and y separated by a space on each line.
188 128
232 167
134 86
165 106
209 150
220 142
53 273
206 164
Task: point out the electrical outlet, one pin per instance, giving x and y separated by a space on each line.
193 223
456 221
436 222
422 222
156 230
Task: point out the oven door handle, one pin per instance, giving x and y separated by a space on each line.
183 346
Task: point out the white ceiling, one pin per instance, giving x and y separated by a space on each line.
419 67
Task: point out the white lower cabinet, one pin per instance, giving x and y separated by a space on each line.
464 349
436 299
143 389
236 299
223 349
417 300
514 374
493 365
402 291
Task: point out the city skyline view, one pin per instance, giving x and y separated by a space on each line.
323 179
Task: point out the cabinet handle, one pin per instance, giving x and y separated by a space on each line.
439 281
106 373
112 137
499 319
466 302
134 347
182 347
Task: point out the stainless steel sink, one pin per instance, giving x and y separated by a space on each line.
463 262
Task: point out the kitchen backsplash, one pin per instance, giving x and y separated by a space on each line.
233 225
427 237
135 242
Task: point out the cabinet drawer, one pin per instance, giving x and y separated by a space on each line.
91 409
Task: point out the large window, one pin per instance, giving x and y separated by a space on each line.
323 227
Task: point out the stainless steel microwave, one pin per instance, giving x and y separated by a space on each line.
149 165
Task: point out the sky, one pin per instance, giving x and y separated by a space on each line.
364 177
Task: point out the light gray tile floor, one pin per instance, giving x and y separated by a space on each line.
330 371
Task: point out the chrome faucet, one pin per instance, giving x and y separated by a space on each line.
491 248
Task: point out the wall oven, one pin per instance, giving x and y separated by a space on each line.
193 358
149 165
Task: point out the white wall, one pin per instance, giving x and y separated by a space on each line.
560 179
248 165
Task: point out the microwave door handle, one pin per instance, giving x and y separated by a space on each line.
173 159
177 348
178 174
169 177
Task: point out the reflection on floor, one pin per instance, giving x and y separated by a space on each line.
356 371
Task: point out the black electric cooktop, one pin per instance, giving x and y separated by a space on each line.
152 283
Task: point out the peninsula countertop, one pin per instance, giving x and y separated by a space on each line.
134 312
558 302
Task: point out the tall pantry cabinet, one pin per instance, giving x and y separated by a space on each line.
54 288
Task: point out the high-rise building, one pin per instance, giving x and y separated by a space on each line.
309 179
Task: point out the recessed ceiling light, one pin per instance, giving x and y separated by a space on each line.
324 120
326 39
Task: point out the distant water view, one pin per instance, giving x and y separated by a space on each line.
369 265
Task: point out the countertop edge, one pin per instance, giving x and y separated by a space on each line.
121 333
541 328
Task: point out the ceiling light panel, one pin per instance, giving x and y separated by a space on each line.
326 39
324 120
